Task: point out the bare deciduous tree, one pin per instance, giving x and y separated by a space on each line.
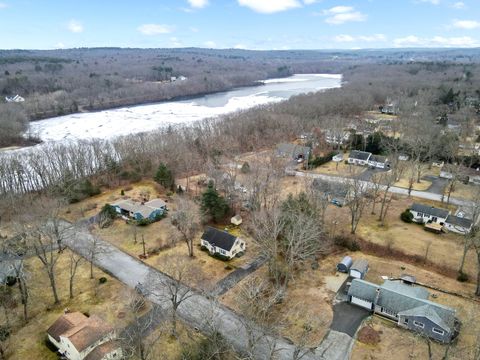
186 220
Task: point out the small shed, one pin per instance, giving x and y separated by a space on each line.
359 269
344 265
236 220
408 279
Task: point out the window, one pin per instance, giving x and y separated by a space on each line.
405 321
419 324
438 331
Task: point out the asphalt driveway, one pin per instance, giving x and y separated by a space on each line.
347 318
438 184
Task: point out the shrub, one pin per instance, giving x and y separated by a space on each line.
347 242
245 168
122 192
406 216
321 160
462 277
102 280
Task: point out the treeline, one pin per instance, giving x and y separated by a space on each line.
190 149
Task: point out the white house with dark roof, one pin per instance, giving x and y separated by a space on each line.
408 306
423 214
379 162
358 157
79 337
222 243
457 224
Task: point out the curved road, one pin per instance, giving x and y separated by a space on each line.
200 311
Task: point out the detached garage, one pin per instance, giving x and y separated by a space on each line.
359 269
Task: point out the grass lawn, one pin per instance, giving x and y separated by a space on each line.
445 249
463 191
343 169
92 205
421 186
28 341
206 270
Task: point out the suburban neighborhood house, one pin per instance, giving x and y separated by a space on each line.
357 157
293 151
219 242
8 269
423 214
377 161
359 269
408 306
140 210
79 337
338 193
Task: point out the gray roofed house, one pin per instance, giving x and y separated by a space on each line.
408 306
8 269
378 161
138 210
293 151
424 213
460 225
359 157
219 242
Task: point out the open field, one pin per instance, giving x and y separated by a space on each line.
108 300
342 169
444 249
463 191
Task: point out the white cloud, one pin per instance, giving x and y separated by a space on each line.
3 5
338 10
433 2
360 38
210 44
240 46
341 14
154 29
194 29
59 45
198 3
459 5
269 6
466 24
175 42
436 41
75 26
310 2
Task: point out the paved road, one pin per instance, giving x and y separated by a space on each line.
200 311
395 190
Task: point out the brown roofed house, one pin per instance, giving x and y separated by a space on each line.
80 337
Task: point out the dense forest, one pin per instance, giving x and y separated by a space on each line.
59 82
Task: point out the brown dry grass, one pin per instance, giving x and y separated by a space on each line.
206 270
445 249
343 169
28 341
463 191
93 205
421 186
307 302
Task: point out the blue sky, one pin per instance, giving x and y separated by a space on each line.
250 24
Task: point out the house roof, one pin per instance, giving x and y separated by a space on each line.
64 323
292 150
401 298
137 207
82 331
430 210
7 268
414 291
360 265
219 238
430 313
88 333
459 221
378 158
360 155
100 351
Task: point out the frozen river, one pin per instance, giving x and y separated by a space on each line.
134 119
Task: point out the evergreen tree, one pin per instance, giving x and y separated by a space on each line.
165 177
214 206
